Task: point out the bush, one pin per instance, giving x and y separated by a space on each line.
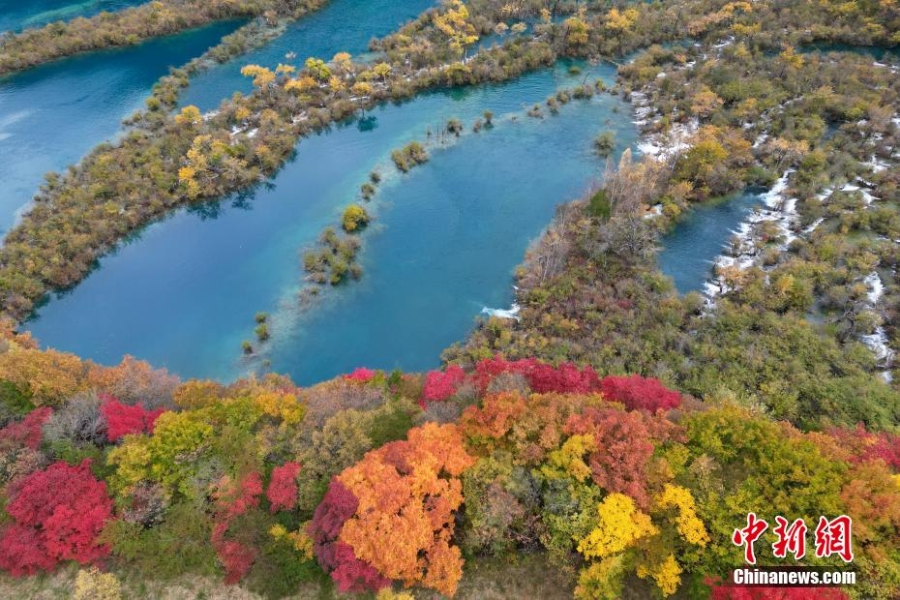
355 217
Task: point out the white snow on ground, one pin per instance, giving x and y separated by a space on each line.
654 211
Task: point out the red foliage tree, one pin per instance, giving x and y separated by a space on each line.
58 514
864 445
123 419
26 432
640 393
737 592
232 502
440 386
542 377
336 558
282 492
625 445
361 374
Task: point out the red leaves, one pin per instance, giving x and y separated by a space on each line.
640 393
440 386
336 558
739 592
232 502
864 445
635 392
542 377
282 492
122 419
362 375
58 513
625 444
26 432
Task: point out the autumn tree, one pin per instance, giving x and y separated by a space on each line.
407 493
57 514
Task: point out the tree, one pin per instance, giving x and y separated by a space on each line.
122 420
282 491
383 70
355 217
58 514
639 393
407 494
262 77
453 23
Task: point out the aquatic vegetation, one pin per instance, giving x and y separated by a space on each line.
130 26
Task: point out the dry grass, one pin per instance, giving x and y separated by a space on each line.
487 579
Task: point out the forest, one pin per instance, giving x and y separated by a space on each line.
607 440
36 46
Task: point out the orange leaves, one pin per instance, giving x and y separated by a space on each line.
407 494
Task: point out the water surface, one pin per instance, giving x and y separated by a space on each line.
339 26
691 247
16 14
52 115
444 246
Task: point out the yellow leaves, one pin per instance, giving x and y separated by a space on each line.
621 20
342 60
299 540
336 84
577 31
667 575
705 103
284 69
49 376
568 461
94 585
790 58
189 115
280 405
186 174
301 84
361 89
262 77
601 580
620 524
454 24
382 70
241 113
689 525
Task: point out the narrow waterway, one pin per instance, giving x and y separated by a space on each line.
16 15
339 26
689 250
52 115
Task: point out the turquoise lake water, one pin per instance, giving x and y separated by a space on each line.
53 115
339 26
445 243
447 236
690 248
16 14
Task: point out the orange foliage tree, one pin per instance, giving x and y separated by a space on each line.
408 492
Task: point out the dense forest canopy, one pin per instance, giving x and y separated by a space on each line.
613 435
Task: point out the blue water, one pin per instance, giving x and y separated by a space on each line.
340 26
444 246
689 249
53 115
16 14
